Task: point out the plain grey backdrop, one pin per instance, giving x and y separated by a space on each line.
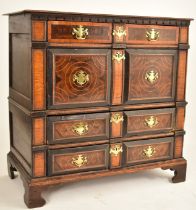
149 190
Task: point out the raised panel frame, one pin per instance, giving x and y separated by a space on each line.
140 100
146 114
50 77
74 152
63 26
73 119
170 34
146 143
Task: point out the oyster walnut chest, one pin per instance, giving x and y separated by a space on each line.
93 96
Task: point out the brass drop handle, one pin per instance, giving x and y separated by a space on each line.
80 128
116 118
79 161
151 76
119 32
151 122
152 35
116 150
149 151
80 32
80 78
118 57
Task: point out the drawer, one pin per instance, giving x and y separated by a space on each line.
77 128
79 32
147 150
152 34
149 121
73 160
150 76
78 77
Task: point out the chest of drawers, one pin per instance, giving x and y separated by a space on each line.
93 96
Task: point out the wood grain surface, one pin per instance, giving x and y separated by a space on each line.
137 34
61 161
66 63
61 128
39 164
61 31
141 62
38 71
134 151
117 79
39 130
181 78
38 30
136 121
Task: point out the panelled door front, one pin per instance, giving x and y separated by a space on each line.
150 75
78 77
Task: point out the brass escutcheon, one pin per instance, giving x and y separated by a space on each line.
116 118
118 57
151 121
149 152
80 32
151 76
79 161
119 32
80 78
116 150
80 128
152 35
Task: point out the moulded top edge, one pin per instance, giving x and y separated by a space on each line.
45 12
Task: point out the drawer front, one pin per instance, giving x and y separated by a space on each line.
148 150
149 121
77 128
79 32
151 34
151 76
80 159
78 77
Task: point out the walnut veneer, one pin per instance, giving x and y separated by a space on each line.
93 96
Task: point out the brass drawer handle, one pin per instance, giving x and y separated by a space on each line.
120 32
151 121
151 76
80 78
80 128
116 118
116 150
118 57
79 161
149 152
80 32
152 35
